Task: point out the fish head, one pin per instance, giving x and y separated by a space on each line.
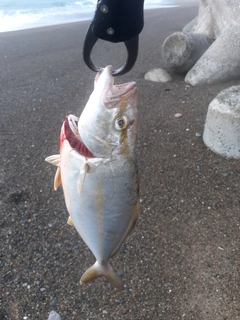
108 123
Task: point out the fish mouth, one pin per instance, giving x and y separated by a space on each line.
114 92
123 90
73 137
118 94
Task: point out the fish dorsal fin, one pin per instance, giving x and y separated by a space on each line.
57 179
54 159
83 172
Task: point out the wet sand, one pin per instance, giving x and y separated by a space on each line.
182 260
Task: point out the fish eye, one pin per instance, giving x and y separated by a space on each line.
121 123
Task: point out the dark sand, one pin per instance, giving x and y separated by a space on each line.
182 260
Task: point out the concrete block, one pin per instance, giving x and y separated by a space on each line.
222 126
181 50
208 49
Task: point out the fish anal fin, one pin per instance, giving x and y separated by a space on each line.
96 271
70 222
136 211
57 179
54 159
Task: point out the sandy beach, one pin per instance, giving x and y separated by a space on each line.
182 260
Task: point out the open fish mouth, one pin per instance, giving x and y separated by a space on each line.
73 137
111 91
123 90
119 93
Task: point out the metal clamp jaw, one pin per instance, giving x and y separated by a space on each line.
115 21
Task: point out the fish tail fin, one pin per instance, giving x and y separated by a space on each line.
96 271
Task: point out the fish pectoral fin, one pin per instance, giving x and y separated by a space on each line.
70 222
57 179
83 172
92 166
96 271
54 159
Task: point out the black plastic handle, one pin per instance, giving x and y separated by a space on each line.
115 21
118 20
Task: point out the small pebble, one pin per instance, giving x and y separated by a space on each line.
198 135
53 315
224 174
53 303
120 273
178 115
42 297
122 248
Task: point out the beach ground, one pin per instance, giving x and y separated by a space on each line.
182 260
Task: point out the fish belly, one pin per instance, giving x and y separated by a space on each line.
104 210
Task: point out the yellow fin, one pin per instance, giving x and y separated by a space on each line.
54 159
96 271
70 222
81 180
57 179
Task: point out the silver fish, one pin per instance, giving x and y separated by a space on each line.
98 170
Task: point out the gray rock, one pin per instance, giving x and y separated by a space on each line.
225 174
53 303
122 248
53 315
120 273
